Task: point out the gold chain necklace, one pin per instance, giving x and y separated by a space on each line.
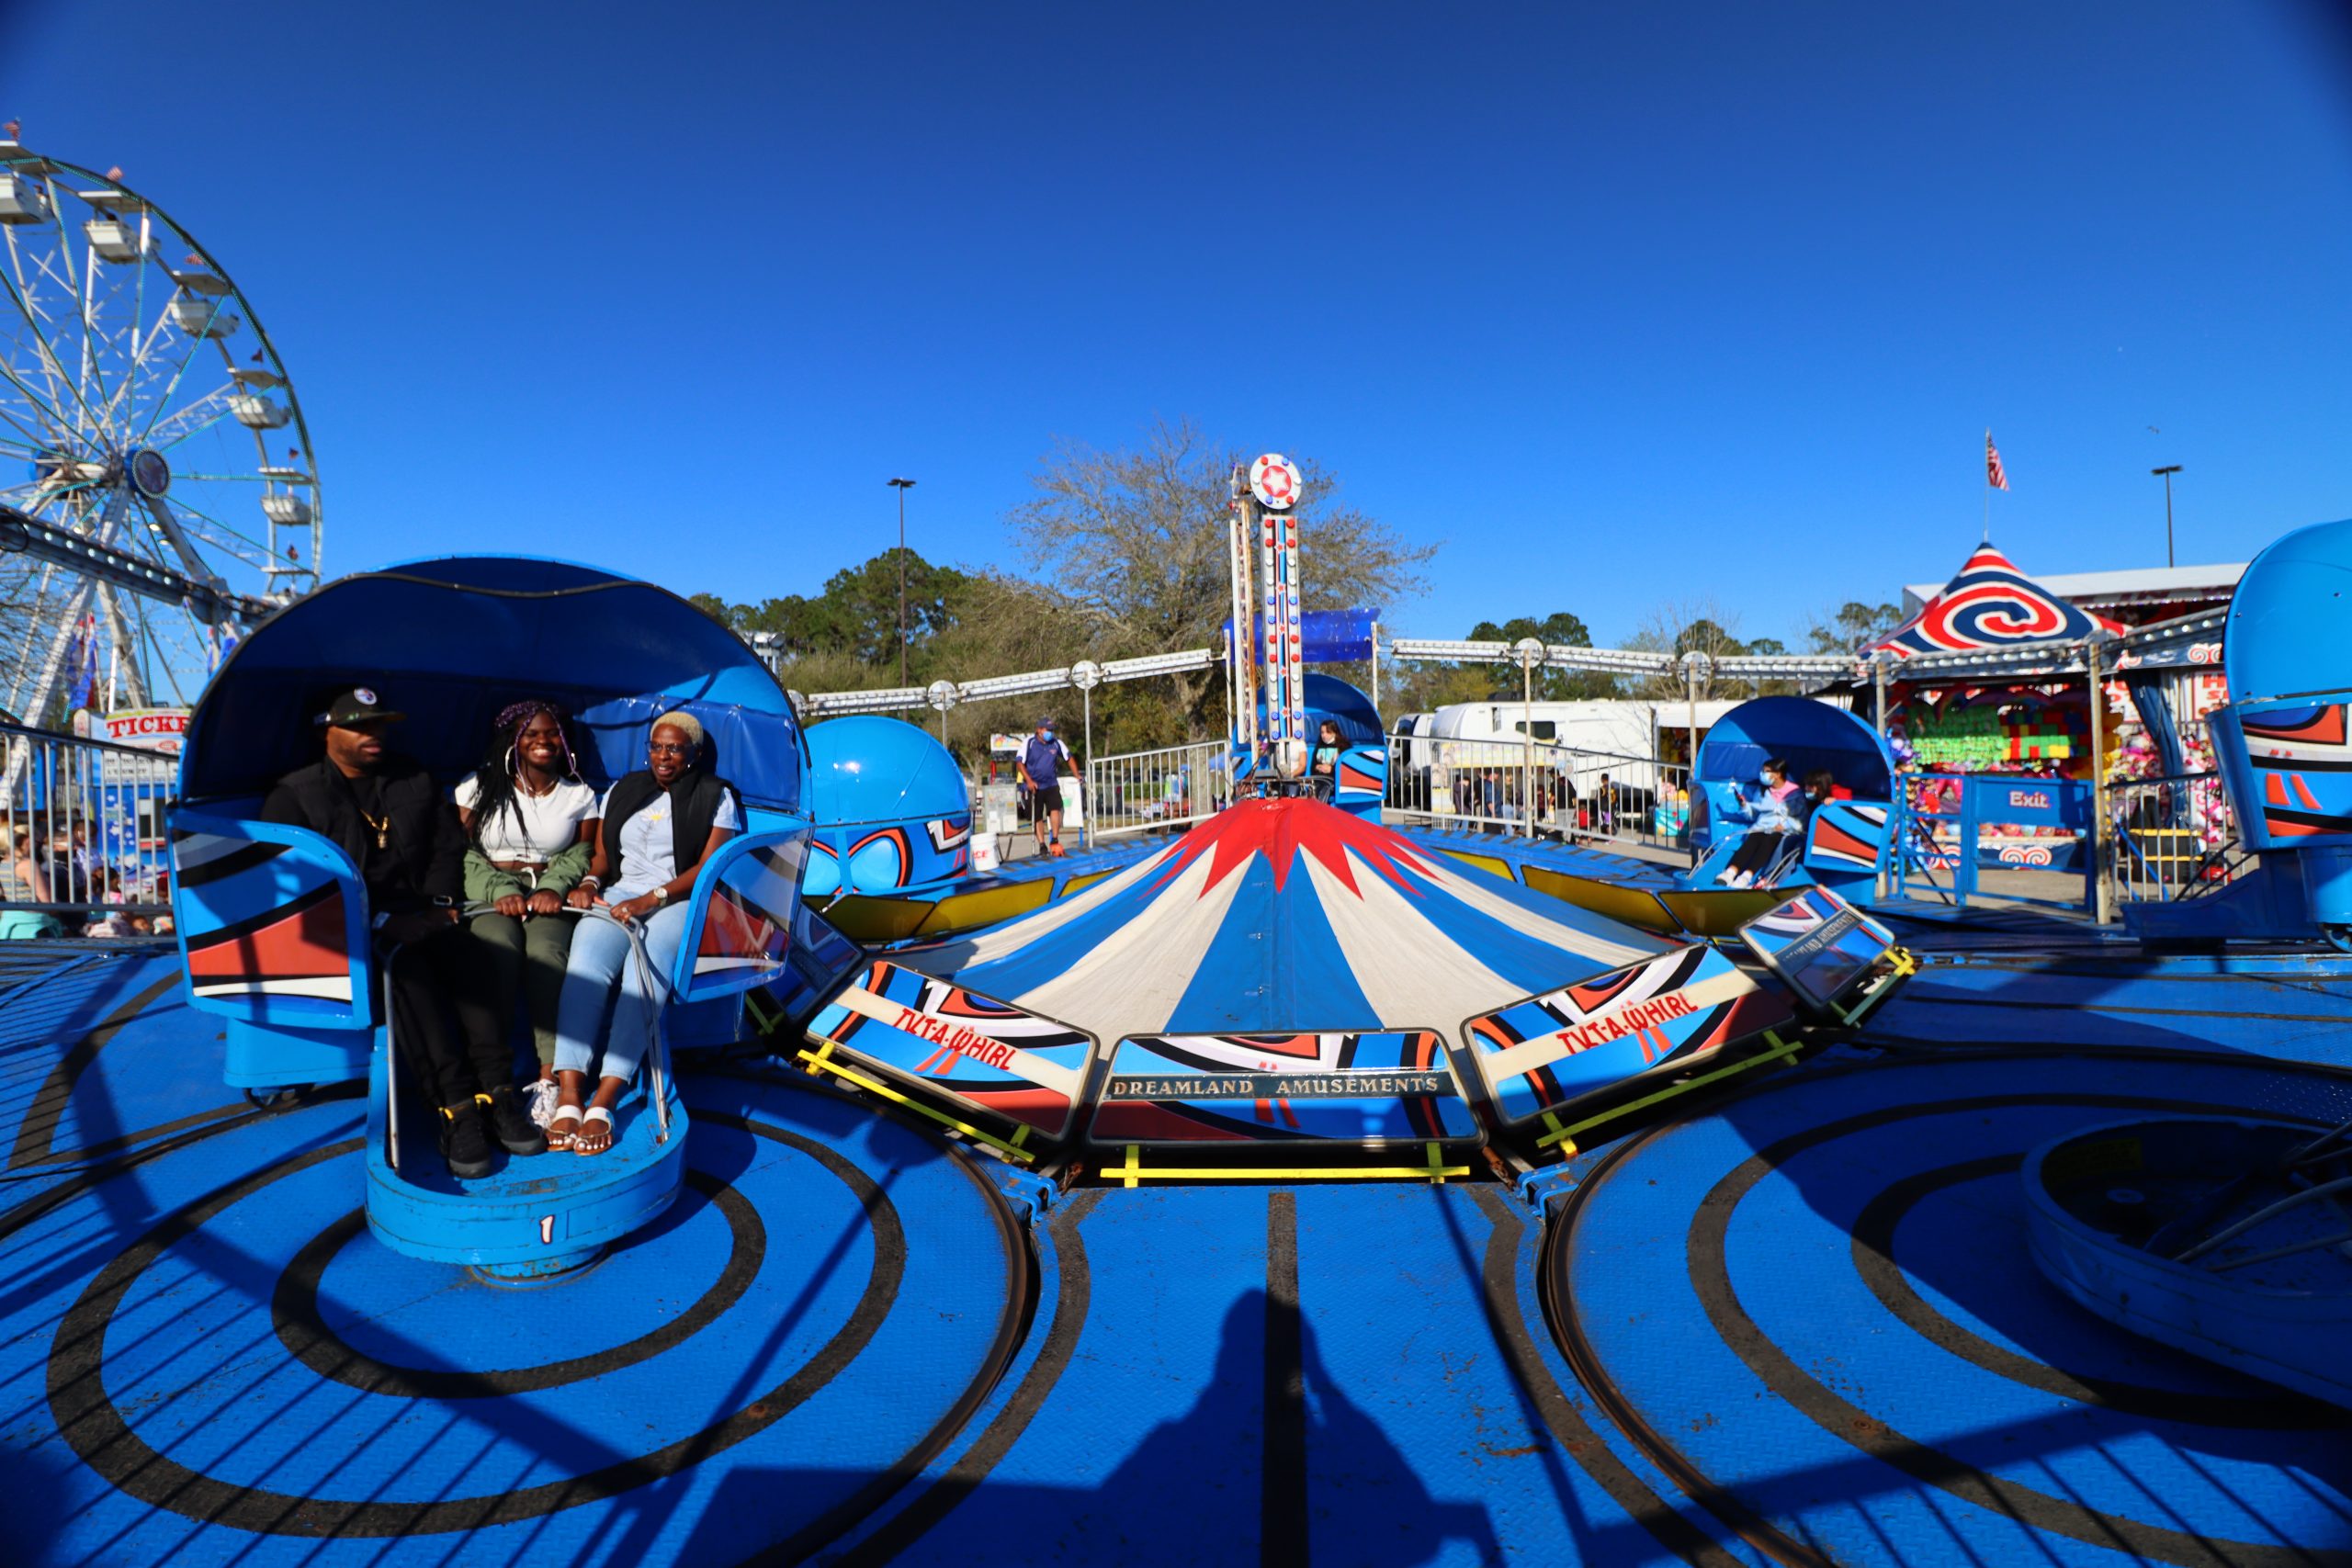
382 825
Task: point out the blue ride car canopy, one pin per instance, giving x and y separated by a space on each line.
892 811
450 642
1808 734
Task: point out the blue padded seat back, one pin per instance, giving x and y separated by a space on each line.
758 752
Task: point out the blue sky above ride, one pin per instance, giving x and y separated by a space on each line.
450 642
1639 294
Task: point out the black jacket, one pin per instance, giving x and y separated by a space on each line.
424 831
695 797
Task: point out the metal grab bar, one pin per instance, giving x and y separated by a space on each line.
657 1058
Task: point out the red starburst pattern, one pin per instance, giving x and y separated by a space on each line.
1283 830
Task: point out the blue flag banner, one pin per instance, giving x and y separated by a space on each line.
1328 637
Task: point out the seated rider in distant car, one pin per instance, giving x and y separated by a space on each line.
390 817
1780 809
657 826
1323 771
530 825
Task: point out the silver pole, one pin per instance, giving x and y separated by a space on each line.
2101 866
1086 823
1376 666
1691 686
1527 770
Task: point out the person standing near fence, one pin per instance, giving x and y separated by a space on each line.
1043 760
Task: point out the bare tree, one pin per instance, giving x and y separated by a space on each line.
1137 540
1689 626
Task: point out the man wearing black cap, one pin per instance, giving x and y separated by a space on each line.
391 819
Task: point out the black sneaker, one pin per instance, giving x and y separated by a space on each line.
510 1124
464 1144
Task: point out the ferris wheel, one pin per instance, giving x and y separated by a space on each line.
151 451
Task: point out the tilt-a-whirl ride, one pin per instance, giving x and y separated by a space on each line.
1298 1188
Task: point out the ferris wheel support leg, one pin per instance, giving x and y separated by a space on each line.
33 699
126 646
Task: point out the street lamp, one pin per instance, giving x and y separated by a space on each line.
2165 474
902 486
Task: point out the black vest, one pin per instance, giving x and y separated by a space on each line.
694 810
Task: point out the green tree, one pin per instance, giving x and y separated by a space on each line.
857 613
1851 626
1560 629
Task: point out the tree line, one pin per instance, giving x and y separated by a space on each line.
1125 553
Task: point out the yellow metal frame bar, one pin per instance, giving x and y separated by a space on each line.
767 1022
821 1061
1436 1172
1565 1135
1906 965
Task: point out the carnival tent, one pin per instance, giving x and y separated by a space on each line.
1286 914
1989 604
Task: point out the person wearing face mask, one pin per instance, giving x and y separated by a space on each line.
1323 773
655 829
1780 809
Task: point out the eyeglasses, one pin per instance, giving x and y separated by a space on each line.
664 748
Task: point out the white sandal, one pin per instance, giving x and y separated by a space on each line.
593 1113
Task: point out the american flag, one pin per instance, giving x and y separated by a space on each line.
1995 475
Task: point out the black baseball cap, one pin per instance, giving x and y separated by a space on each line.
355 708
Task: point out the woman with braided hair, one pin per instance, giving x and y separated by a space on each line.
530 828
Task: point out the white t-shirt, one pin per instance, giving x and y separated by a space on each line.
533 829
648 846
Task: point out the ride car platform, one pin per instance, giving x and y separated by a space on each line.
1794 1325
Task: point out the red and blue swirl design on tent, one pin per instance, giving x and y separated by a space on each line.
1990 604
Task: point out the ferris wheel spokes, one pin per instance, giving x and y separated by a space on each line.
130 436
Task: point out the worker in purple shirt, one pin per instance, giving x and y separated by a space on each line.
1043 761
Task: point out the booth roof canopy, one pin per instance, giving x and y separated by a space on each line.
1989 604
450 642
1286 914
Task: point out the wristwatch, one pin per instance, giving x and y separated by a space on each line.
661 893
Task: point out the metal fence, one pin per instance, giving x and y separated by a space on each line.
1541 789
2172 838
1141 792
83 845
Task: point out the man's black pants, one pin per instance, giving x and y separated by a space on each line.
445 1017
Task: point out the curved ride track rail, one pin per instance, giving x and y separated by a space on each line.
224 1361
1814 1309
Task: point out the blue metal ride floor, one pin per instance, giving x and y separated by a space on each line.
1815 1307
849 1342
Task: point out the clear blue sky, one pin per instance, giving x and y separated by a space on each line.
1625 302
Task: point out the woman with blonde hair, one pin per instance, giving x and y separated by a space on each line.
656 828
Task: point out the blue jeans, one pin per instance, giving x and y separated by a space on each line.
601 953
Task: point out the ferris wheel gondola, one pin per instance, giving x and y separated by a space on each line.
144 411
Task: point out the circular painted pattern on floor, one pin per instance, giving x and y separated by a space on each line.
220 1346
1814 1309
